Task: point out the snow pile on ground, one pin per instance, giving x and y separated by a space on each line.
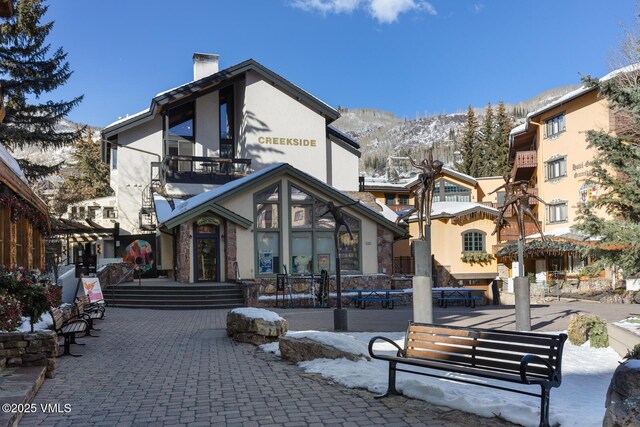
586 373
631 323
257 313
342 342
44 324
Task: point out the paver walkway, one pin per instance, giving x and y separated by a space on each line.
169 368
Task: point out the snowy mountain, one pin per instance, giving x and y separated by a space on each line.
381 134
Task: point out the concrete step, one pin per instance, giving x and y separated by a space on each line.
621 339
185 297
178 306
18 386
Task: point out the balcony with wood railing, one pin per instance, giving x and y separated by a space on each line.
524 165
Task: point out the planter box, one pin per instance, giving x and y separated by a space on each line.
621 339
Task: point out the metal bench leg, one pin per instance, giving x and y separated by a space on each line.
391 388
67 346
544 406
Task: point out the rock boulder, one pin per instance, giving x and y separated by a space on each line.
300 346
623 396
255 325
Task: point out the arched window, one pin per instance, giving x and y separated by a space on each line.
473 241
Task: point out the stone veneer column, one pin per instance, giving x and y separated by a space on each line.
230 250
385 250
183 249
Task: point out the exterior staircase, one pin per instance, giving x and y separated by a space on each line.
178 297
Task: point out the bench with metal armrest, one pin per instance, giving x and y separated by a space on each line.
68 328
512 357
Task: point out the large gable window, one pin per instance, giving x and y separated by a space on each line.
267 230
312 239
180 133
447 191
227 150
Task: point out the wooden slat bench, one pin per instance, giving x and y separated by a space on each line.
514 357
68 329
89 312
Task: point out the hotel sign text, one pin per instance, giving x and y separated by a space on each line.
296 142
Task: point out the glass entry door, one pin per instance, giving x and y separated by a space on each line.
206 267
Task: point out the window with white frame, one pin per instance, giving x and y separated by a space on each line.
557 168
557 212
473 241
555 125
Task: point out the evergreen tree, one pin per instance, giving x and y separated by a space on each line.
468 152
29 70
89 177
615 170
500 143
485 145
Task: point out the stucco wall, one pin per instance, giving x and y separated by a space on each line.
270 113
344 168
581 115
134 170
447 244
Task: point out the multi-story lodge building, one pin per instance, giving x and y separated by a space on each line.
551 151
229 175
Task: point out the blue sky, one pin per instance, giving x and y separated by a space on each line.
405 56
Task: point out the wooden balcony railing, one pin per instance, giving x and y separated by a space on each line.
524 164
510 231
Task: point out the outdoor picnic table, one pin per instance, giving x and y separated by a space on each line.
444 295
384 296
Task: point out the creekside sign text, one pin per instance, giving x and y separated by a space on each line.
298 142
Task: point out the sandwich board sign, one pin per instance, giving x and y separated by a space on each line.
91 286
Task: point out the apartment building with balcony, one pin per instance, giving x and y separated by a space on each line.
550 150
239 161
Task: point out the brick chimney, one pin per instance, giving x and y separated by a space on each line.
204 64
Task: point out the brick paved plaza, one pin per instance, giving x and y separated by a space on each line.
169 368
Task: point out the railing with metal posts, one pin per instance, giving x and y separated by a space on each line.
173 166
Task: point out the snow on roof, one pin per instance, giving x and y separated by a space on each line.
128 117
583 89
202 198
163 208
387 212
455 208
12 163
564 232
518 129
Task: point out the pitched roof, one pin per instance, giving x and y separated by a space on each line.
215 79
448 171
210 200
457 210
